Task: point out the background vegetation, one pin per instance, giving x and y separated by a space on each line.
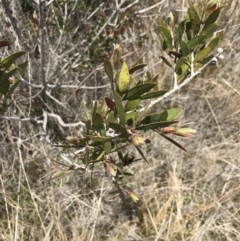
191 196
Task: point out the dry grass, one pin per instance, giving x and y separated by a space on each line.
188 197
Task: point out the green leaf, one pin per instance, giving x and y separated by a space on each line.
194 19
166 61
188 30
170 114
167 37
214 43
5 82
180 31
212 17
174 142
167 115
207 59
194 42
116 56
131 105
119 108
141 153
137 91
98 122
136 67
155 78
209 30
180 62
202 54
155 125
183 70
107 147
139 61
99 138
108 69
12 88
154 94
9 60
124 79
184 48
176 54
131 117
119 129
22 68
111 118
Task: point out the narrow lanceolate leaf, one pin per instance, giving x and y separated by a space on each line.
5 82
137 67
202 54
174 142
98 122
167 37
119 108
209 30
180 62
184 48
180 31
167 115
166 61
137 91
175 54
124 79
142 155
154 94
4 43
194 19
212 17
207 59
194 42
99 138
22 68
214 43
12 88
108 69
155 125
155 78
8 61
118 128
131 105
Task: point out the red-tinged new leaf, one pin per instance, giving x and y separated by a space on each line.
5 43
110 103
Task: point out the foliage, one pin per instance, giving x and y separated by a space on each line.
191 42
8 72
116 122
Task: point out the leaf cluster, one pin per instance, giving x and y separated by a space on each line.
8 72
191 42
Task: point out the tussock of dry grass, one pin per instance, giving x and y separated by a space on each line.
188 197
